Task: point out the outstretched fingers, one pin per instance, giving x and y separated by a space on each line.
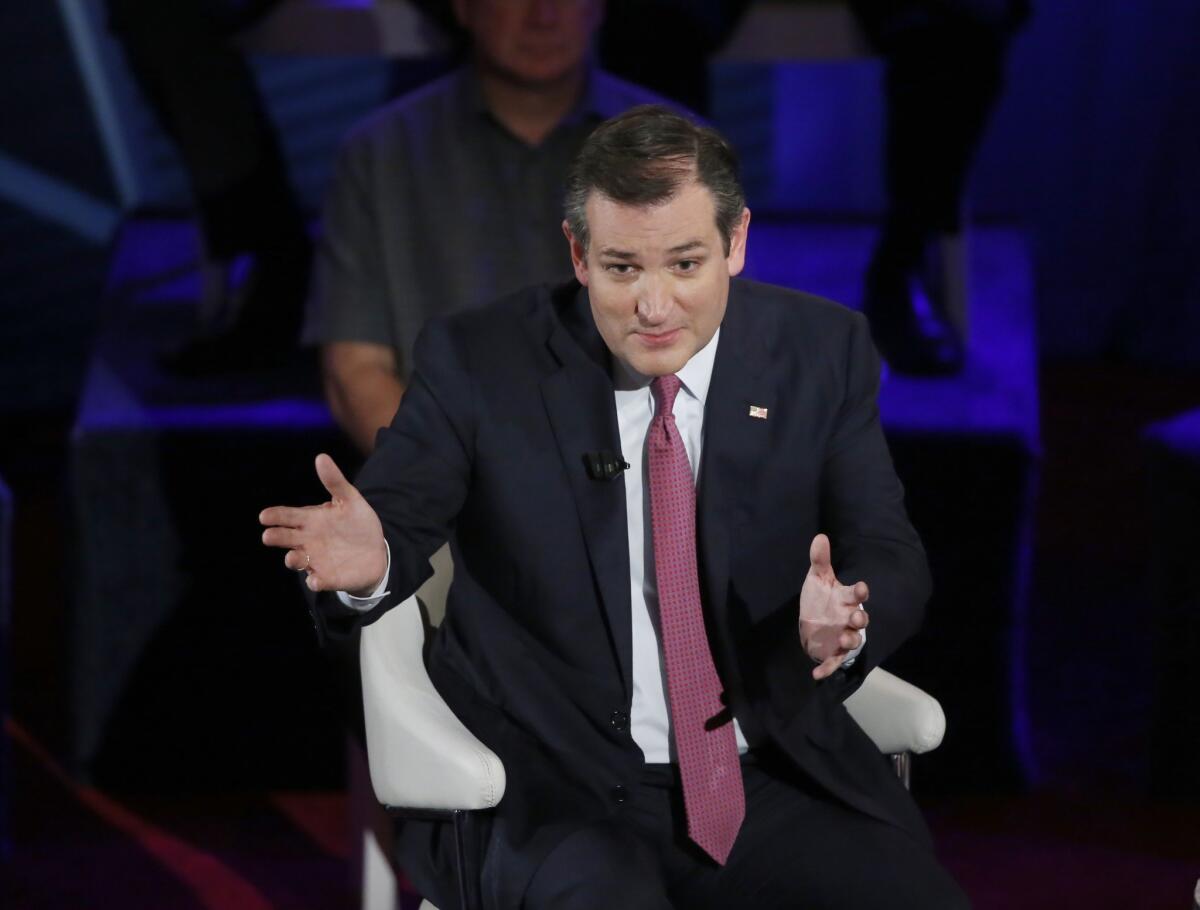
855 594
821 563
288 538
298 560
333 479
849 640
858 619
284 516
828 666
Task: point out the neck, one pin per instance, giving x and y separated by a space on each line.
531 112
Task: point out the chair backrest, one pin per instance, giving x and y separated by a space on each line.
419 754
422 757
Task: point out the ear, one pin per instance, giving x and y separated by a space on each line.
737 244
578 255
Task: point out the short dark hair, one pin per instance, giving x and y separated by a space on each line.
643 157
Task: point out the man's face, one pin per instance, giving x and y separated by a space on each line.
532 42
657 276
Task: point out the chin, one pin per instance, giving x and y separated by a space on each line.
658 363
541 71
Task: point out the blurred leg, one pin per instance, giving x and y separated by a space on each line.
944 72
204 95
799 848
602 866
942 83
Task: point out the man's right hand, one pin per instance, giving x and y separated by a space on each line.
338 543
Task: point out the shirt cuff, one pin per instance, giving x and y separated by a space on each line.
363 604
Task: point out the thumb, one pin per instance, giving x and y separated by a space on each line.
818 555
333 479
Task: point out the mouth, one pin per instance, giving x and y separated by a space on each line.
658 339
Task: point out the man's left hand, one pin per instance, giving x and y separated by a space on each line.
831 616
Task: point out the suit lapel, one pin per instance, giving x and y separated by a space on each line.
734 443
579 402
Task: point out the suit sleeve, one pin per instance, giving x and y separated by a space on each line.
862 510
417 478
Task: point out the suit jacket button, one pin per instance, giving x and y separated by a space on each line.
619 720
619 794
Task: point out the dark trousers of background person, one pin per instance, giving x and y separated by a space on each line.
206 99
944 71
944 66
665 45
797 848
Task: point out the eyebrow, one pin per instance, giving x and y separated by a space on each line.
679 248
617 254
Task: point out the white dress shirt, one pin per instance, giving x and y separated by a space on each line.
649 717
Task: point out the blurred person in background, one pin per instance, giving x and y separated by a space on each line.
944 69
203 93
452 196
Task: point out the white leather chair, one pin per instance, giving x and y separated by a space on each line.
424 762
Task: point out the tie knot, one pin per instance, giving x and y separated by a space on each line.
664 389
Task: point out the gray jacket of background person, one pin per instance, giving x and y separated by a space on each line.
435 208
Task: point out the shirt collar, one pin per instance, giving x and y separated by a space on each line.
696 374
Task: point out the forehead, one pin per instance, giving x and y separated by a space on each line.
511 9
688 215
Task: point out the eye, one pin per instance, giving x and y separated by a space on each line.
619 268
687 265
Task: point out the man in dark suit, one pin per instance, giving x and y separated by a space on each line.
630 470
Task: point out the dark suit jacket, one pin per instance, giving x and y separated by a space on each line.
534 654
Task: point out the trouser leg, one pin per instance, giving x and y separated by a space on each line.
799 848
205 97
944 66
599 867
941 87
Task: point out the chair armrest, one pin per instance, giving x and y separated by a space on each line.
420 755
897 715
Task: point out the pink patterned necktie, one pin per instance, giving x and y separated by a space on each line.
708 760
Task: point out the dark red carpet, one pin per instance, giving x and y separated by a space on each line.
79 848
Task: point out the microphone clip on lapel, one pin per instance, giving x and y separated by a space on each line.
604 465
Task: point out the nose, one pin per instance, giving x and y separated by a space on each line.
653 301
544 12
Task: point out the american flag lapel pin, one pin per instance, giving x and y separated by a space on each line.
756 411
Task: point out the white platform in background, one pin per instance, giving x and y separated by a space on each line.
996 395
